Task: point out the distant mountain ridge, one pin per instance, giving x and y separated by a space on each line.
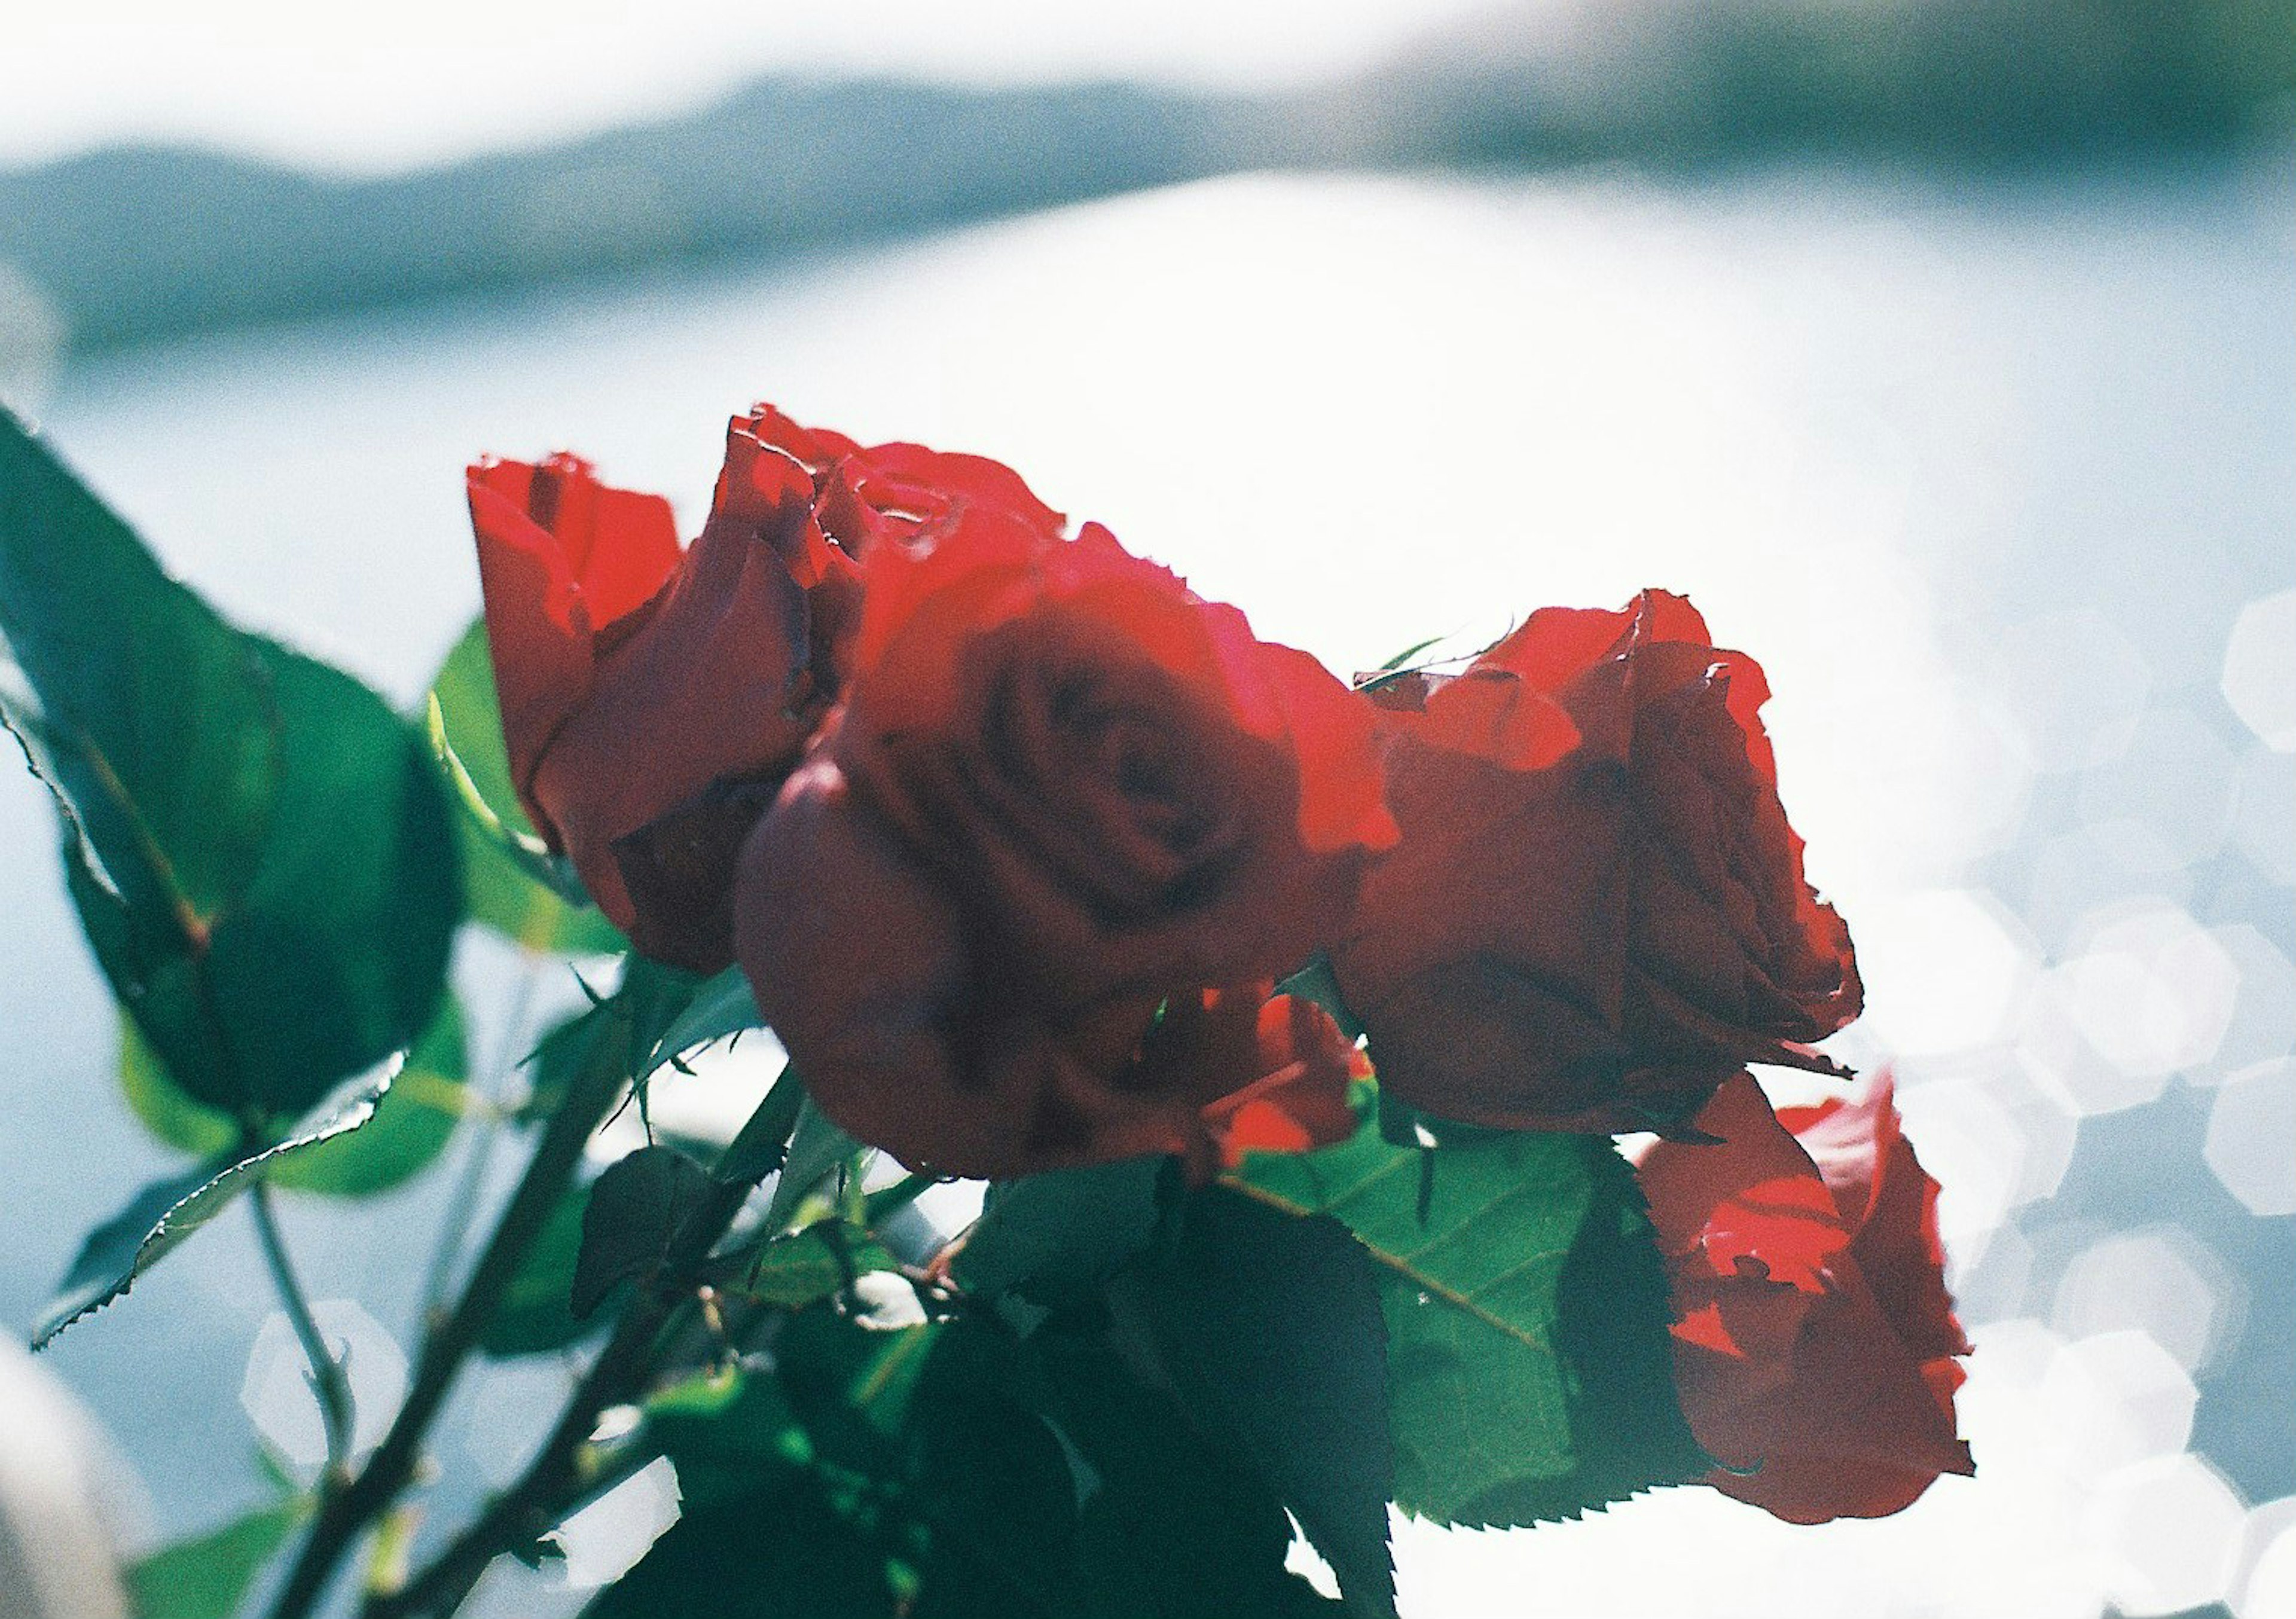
138 244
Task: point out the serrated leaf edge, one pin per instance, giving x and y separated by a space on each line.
352 1105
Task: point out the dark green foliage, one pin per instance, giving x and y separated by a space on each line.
1050 1239
1173 1524
808 1265
623 1033
1270 1325
260 849
412 1124
634 1211
720 1007
785 1548
537 1313
1529 1362
411 1127
970 1474
817 1147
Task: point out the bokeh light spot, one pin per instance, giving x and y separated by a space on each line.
2169 1532
2252 1143
2259 669
278 1392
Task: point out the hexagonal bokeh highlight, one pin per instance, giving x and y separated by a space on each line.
2269 1591
2072 685
2251 1141
277 1390
2069 876
2144 991
2263 1008
2159 1280
2259 669
2264 823
2169 1532
2166 800
1992 1286
2113 1401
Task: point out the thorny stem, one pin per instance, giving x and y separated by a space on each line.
345 1514
530 1507
331 1386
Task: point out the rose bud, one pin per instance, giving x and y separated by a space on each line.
1596 913
1063 795
654 700
1815 1345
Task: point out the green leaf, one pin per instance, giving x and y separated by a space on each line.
1172 1525
1409 653
994 1485
720 1007
816 1147
208 1577
536 1315
1269 1324
160 1104
165 1214
791 1545
260 849
947 1471
636 1208
816 1264
1529 1371
504 892
411 1126
1053 1238
792 1480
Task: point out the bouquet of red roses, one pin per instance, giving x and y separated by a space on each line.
1359 1071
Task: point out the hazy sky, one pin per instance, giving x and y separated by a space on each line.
384 87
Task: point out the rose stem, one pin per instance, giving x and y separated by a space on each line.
329 1384
344 1513
527 1508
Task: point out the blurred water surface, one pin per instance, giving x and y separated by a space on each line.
1998 481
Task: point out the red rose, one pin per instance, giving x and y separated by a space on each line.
1274 1074
1596 913
1063 792
1814 1342
653 700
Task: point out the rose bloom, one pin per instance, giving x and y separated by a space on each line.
654 700
1063 800
1596 913
1815 1344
